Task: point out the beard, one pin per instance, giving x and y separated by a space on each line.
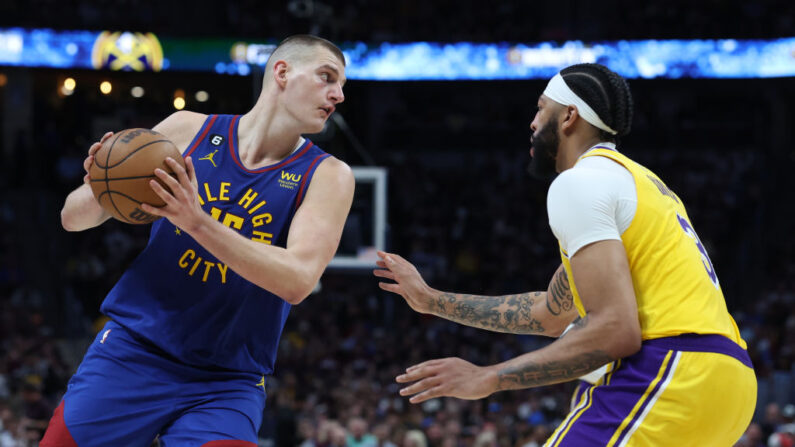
545 151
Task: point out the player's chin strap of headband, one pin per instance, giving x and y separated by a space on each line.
558 91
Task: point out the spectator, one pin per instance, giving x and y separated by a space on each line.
415 438
358 435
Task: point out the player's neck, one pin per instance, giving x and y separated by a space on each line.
572 148
264 138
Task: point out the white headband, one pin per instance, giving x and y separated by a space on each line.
558 91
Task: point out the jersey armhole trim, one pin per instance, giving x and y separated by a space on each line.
309 171
208 124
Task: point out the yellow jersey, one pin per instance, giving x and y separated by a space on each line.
676 287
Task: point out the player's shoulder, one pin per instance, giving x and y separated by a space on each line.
580 185
335 174
180 127
592 172
574 179
334 168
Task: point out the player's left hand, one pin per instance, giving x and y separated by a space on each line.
182 206
408 281
451 377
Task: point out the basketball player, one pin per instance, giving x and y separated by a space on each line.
249 227
633 269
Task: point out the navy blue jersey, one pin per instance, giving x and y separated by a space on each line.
179 297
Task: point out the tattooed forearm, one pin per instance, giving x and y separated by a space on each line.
559 298
536 374
510 313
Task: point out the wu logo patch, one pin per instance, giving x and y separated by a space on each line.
210 156
216 140
291 177
289 180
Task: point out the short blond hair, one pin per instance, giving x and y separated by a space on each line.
297 48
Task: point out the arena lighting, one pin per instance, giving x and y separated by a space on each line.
69 83
137 91
179 103
405 61
202 96
105 87
179 93
66 91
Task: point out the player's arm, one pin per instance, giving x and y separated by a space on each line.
81 210
180 127
610 331
544 312
292 272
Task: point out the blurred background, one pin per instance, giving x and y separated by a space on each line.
459 203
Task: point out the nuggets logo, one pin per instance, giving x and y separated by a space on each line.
289 180
127 51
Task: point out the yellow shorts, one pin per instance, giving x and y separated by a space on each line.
689 390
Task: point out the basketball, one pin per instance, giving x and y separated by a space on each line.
122 169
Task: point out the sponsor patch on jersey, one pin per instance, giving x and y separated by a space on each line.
289 180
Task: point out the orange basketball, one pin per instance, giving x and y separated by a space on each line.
122 169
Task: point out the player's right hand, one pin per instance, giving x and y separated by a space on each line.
90 158
408 281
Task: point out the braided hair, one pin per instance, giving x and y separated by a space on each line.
606 92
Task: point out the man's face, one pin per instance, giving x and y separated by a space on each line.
544 140
315 88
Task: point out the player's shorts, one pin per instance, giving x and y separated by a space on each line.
126 392
689 390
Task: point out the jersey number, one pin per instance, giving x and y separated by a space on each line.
688 229
230 220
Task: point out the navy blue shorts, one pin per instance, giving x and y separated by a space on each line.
125 393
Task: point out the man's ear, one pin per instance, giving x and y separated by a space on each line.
569 119
280 69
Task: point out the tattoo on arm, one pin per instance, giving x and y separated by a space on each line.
536 374
509 313
559 297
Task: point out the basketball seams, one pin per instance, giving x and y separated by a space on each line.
107 182
113 191
139 148
125 178
107 159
